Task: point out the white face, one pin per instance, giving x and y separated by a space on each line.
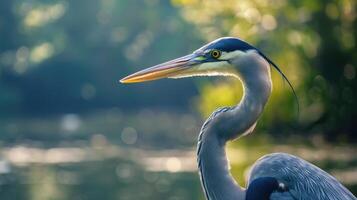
232 55
220 66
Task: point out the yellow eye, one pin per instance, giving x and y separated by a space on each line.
215 53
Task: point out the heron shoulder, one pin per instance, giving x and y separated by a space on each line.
303 179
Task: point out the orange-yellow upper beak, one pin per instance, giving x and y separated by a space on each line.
164 70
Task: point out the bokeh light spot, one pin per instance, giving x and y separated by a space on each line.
44 14
173 164
41 52
88 91
269 22
70 122
129 135
99 141
349 72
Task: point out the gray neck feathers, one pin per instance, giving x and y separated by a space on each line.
228 124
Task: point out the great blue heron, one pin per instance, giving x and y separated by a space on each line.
274 176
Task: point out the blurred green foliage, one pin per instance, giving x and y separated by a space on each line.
67 56
314 42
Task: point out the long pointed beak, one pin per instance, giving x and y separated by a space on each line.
164 70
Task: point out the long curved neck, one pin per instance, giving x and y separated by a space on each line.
227 124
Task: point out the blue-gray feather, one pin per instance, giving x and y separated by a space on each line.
304 180
207 190
228 44
281 196
261 188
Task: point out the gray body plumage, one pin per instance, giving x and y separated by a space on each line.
303 179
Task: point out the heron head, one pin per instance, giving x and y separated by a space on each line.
218 58
213 59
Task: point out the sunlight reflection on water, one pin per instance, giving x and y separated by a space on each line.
171 161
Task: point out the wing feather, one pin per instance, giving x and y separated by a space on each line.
304 180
